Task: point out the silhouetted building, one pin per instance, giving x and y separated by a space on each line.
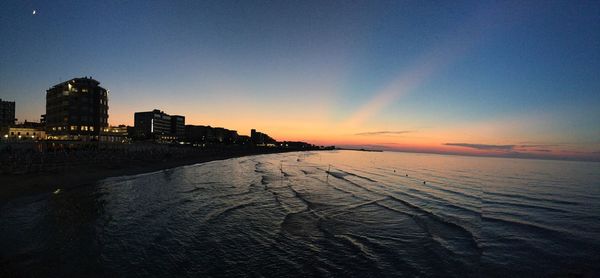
198 133
76 110
207 134
158 125
231 137
178 126
7 113
243 140
296 145
261 139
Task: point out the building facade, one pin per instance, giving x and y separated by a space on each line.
76 110
7 113
26 131
158 125
116 134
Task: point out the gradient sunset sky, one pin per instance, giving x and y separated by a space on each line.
499 77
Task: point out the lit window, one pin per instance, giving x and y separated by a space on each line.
73 127
91 128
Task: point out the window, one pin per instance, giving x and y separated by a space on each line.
91 128
73 127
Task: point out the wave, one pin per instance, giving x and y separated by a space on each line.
523 206
363 249
191 190
217 214
424 196
532 199
530 227
461 251
358 176
439 219
450 191
345 209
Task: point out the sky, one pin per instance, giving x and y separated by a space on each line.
501 78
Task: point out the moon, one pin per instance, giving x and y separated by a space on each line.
34 11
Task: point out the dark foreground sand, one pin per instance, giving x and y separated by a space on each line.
18 185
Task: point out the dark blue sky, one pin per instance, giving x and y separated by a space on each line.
508 72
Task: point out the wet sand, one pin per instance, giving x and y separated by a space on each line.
18 185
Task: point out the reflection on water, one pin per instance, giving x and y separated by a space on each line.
286 215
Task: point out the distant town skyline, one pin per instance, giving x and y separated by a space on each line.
505 79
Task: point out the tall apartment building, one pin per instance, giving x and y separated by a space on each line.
7 113
76 109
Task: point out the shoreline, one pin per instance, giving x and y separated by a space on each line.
13 186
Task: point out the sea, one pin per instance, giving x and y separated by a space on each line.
335 213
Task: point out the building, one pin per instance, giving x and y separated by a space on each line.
261 139
243 140
159 126
212 135
198 134
76 109
27 131
178 126
7 113
296 145
116 134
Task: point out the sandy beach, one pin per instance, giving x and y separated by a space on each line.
74 172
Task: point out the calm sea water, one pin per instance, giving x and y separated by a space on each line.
284 215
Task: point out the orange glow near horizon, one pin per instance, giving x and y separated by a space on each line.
322 129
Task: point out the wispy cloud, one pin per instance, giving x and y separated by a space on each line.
483 146
538 145
383 132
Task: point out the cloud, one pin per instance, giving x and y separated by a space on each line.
538 145
383 132
483 146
